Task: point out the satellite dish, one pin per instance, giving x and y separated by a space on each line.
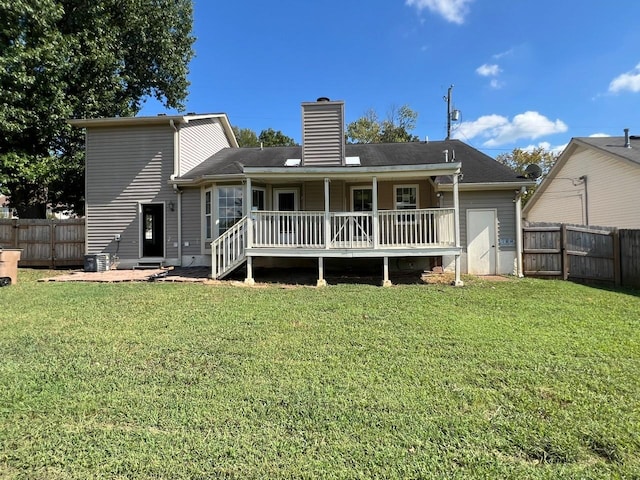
533 171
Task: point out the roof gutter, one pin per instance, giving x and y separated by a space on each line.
486 186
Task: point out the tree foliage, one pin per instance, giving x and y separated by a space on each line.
63 59
246 137
519 159
395 128
273 138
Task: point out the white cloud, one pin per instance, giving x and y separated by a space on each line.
498 56
595 135
496 84
627 81
452 10
546 146
487 70
500 130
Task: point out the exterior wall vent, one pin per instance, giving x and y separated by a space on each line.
323 132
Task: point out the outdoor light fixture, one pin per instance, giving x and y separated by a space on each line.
171 206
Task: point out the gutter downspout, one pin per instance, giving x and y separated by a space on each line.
518 201
586 200
176 189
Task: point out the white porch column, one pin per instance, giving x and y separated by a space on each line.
248 204
374 207
327 215
519 268
321 281
385 272
456 216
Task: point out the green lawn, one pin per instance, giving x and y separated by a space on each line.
516 379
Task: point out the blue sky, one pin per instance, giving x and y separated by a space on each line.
526 73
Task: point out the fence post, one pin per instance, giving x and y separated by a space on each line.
563 248
617 265
52 234
15 233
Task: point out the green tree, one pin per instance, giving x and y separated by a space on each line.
246 137
272 138
395 128
64 59
519 159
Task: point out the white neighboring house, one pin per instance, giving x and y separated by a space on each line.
596 181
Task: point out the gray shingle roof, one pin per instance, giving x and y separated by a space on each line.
615 145
476 166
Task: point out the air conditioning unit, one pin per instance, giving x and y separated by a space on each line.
98 262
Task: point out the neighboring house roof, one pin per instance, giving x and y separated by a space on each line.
477 168
613 146
156 120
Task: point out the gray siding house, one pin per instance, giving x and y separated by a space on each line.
177 190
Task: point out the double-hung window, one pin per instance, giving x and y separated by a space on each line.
406 198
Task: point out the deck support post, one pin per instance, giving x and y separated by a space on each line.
327 215
249 280
321 280
456 215
385 272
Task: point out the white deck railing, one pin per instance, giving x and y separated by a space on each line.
228 250
433 227
416 228
288 229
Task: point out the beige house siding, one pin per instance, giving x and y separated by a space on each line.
126 167
199 140
612 192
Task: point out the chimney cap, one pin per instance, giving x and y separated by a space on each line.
323 99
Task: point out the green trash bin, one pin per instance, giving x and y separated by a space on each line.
9 258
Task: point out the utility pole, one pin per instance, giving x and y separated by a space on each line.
448 100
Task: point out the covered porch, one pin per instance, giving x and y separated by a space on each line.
367 231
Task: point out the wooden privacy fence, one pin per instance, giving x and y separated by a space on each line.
582 253
45 243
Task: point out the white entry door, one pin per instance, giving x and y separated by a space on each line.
481 242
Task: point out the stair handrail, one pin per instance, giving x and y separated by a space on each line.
228 250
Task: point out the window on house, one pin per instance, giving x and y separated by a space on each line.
362 199
257 202
208 210
406 197
229 207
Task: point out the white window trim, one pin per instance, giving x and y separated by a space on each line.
395 194
264 192
141 231
296 193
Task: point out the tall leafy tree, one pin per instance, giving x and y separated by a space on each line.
519 159
395 128
64 59
246 137
273 138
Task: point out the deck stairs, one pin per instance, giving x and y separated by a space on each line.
228 250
